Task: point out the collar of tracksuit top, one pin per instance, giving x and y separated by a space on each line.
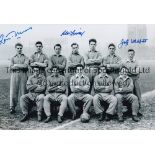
57 55
129 61
22 54
77 53
103 76
124 79
77 76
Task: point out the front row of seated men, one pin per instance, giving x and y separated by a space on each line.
55 87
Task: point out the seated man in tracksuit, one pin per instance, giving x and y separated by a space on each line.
80 86
36 85
56 88
103 86
124 94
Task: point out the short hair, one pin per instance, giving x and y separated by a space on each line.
18 44
92 40
112 44
39 42
79 65
74 44
123 67
57 45
54 66
131 50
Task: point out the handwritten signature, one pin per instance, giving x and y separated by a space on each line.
12 34
126 42
72 33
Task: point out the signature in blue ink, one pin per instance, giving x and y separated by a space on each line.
72 33
126 42
12 34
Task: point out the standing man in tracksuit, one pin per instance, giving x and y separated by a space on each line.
93 61
18 68
39 59
133 72
58 59
112 62
74 59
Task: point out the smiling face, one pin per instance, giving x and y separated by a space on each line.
111 50
19 49
131 55
55 71
79 70
36 71
103 70
75 48
57 50
92 46
123 72
39 47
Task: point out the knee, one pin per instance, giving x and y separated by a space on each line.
134 98
95 99
89 97
118 96
114 100
46 98
41 97
64 98
22 98
71 97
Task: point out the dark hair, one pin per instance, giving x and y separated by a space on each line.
57 45
131 50
111 44
39 42
79 65
74 44
123 67
18 44
92 40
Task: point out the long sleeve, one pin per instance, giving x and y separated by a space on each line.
63 65
30 86
62 85
85 88
129 87
72 85
41 88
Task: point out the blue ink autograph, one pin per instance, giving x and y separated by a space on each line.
12 34
72 33
126 42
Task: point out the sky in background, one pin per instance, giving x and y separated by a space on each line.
50 35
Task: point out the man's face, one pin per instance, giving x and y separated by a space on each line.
39 47
55 71
57 49
124 72
36 71
19 49
75 48
111 50
131 55
103 70
92 46
79 70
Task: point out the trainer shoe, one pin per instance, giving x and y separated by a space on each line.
48 119
135 118
25 117
60 119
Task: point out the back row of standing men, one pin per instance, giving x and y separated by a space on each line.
93 62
